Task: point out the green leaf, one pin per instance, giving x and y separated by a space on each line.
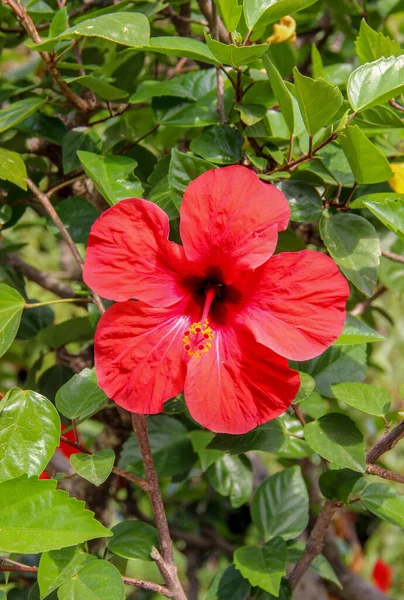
338 484
26 450
269 437
354 245
80 397
318 101
376 82
304 200
184 168
258 13
263 567
102 88
285 592
231 476
171 448
11 307
251 114
80 138
368 163
72 330
12 168
196 114
33 320
236 56
337 438
334 160
96 467
366 398
281 92
371 45
230 11
280 506
384 502
96 580
307 385
51 519
78 216
182 47
337 364
220 144
112 176
388 207
200 440
317 65
392 273
19 111
228 584
133 539
191 86
57 566
59 23
357 332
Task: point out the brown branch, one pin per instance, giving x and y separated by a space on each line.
18 569
207 9
47 57
291 165
384 473
40 277
393 256
363 306
386 443
396 105
116 470
298 412
164 559
47 205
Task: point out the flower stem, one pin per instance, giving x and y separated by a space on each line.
62 301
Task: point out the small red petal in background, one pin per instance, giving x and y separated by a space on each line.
66 450
382 575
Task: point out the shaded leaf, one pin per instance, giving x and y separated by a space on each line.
237 56
304 200
80 397
338 484
231 476
357 332
366 398
184 168
384 502
269 437
368 163
220 144
18 111
12 168
57 566
133 539
228 584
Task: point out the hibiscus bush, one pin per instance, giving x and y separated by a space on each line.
201 279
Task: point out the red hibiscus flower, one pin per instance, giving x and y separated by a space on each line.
382 575
216 317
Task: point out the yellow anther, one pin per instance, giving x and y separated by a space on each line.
197 339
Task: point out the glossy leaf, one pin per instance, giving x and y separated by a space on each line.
230 11
96 467
133 539
357 332
236 56
281 92
269 437
183 47
304 200
263 567
368 163
338 484
376 82
336 438
57 566
318 101
12 168
337 364
280 506
11 307
384 502
34 320
102 88
387 207
307 385
221 145
231 476
18 111
80 397
96 580
77 215
228 584
51 519
80 138
366 398
371 45
112 176
200 440
72 330
184 168
354 245
26 449
258 13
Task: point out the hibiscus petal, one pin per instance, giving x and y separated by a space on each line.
139 354
230 220
238 384
129 255
295 304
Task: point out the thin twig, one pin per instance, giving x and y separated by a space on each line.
360 308
148 585
139 139
393 256
164 559
298 412
386 443
384 473
396 105
46 203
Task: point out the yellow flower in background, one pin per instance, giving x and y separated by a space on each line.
284 31
397 182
